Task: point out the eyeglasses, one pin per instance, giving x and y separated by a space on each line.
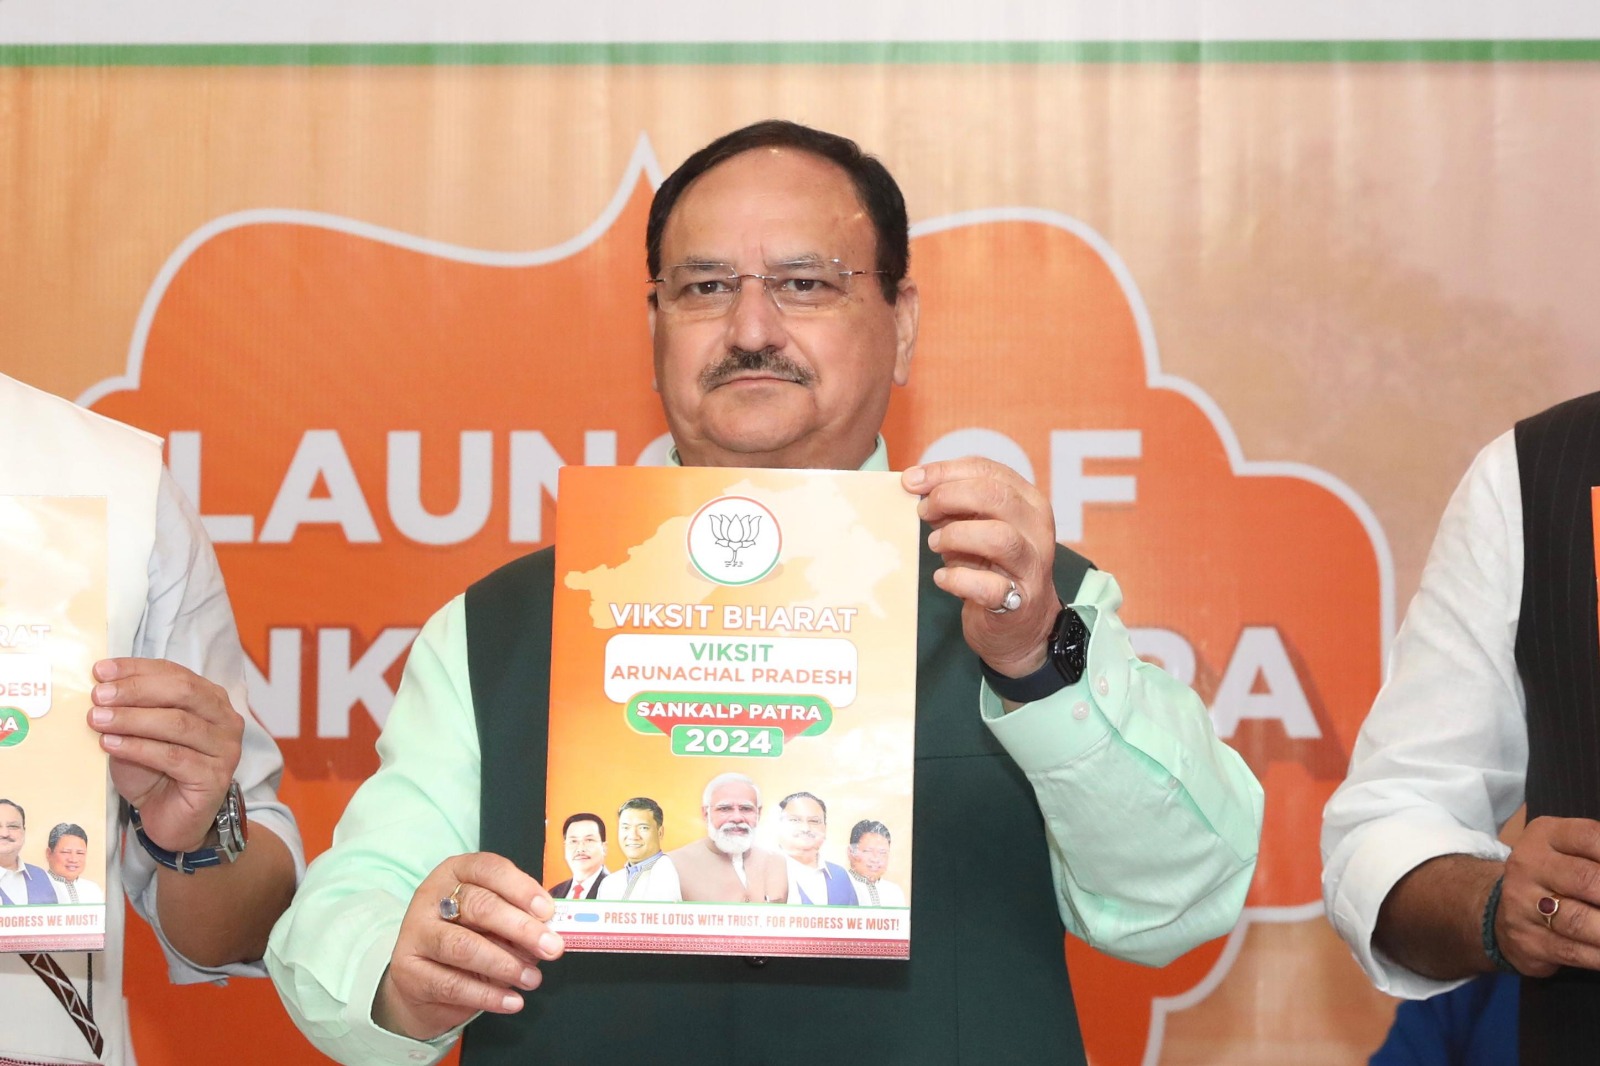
709 289
725 809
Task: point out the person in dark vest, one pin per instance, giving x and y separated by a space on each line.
20 882
584 840
1491 701
1058 779
802 830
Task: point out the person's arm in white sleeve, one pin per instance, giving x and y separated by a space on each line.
220 916
1439 764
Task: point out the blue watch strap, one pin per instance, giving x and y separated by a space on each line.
183 861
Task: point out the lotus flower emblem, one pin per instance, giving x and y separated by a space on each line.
734 531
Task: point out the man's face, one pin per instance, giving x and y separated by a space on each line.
869 856
756 386
12 835
67 857
802 827
731 818
585 850
638 833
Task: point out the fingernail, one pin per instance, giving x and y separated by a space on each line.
104 670
101 716
104 693
111 740
914 476
529 976
550 944
933 541
512 1003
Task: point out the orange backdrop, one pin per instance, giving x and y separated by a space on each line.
1239 328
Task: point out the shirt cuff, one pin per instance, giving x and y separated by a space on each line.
1387 851
380 1043
1046 733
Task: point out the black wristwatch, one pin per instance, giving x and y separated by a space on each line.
232 829
1066 658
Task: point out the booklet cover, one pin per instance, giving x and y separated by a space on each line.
53 552
732 711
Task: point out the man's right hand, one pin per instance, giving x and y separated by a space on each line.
443 972
1559 858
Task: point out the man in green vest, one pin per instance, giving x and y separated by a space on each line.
1059 781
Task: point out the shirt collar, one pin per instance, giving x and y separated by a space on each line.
645 865
877 462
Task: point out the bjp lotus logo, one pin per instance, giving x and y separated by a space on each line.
733 540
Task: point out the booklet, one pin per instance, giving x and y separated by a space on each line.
53 558
732 711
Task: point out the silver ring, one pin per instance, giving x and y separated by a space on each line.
1012 601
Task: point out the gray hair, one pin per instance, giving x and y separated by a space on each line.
729 779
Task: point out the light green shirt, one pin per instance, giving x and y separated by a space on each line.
1153 822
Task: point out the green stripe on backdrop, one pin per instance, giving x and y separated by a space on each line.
843 52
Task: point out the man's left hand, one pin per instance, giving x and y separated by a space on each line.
993 529
174 741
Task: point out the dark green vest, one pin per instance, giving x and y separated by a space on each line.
987 979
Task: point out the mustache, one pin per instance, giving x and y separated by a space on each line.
765 360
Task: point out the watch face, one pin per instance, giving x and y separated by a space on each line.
1069 645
